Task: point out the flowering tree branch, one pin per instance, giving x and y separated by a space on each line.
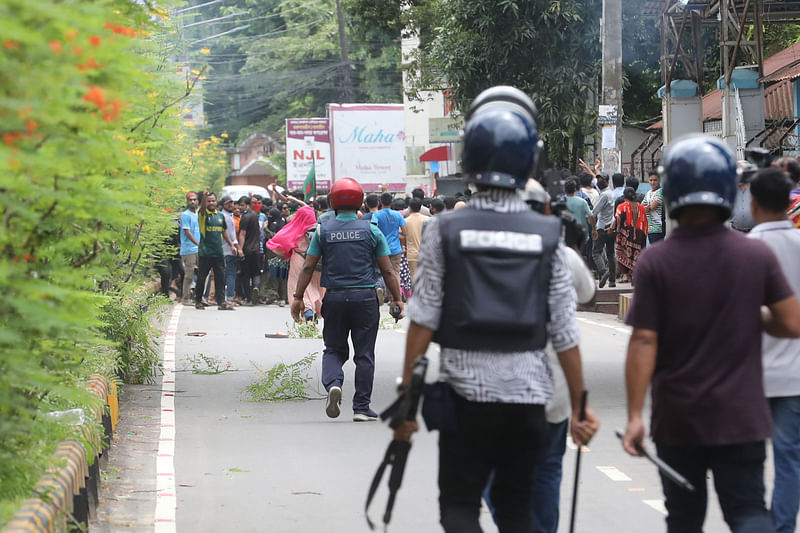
189 89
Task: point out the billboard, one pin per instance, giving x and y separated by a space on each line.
368 144
307 141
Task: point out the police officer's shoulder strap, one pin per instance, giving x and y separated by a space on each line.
547 226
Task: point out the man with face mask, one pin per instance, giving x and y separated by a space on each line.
232 253
250 241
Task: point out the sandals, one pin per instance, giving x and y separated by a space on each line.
200 306
226 306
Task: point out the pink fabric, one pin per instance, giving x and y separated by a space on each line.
312 298
286 239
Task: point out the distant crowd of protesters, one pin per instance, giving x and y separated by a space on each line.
255 246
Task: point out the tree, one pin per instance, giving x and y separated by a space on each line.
549 49
288 62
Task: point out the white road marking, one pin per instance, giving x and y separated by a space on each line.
620 329
166 498
658 505
613 473
572 446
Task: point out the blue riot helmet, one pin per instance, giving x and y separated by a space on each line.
698 170
501 144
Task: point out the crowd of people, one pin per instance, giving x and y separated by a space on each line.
621 215
253 248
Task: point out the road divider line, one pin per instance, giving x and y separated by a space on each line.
607 326
613 473
572 446
658 505
166 500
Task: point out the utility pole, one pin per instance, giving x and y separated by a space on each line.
346 80
611 98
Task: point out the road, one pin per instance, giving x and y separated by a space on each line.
224 463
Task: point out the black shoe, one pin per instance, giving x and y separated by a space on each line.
612 285
604 279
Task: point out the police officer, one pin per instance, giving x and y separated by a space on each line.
492 286
349 248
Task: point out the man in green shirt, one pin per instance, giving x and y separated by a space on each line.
210 254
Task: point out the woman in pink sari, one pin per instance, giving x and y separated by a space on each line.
292 242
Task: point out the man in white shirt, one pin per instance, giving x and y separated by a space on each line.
769 191
232 253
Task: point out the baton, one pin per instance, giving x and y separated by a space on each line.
581 418
665 469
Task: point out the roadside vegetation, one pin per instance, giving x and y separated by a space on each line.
95 160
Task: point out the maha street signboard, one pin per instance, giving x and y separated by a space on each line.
307 143
368 144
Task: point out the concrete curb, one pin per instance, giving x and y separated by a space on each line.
68 492
624 304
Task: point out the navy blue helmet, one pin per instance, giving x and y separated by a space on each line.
699 170
501 144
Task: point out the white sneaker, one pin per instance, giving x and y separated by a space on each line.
365 416
333 401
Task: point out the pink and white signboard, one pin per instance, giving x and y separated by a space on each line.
368 144
307 141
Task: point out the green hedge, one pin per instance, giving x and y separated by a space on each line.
94 165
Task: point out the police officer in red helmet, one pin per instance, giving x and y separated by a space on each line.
348 248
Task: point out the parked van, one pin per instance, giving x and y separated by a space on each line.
237 191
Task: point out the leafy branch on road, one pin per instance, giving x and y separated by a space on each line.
304 330
208 365
283 382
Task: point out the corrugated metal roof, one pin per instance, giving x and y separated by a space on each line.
779 100
780 70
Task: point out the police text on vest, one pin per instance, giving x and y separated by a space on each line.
472 239
340 236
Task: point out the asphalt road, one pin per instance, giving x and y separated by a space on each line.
285 467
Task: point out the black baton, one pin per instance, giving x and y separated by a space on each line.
581 418
662 466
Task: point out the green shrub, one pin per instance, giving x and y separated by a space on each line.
95 162
128 323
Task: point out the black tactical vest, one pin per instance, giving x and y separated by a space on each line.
498 269
348 255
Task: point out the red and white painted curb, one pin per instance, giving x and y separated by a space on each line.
166 498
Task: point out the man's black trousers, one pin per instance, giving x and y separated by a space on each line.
738 479
489 436
206 264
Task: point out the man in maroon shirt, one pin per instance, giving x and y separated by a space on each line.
697 320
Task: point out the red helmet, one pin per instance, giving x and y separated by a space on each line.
346 193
